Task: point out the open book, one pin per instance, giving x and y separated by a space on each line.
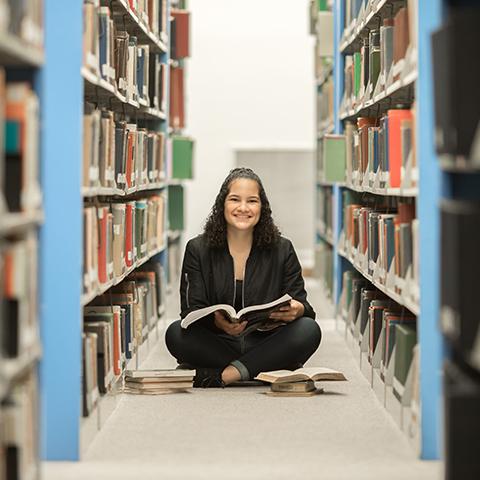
257 316
301 374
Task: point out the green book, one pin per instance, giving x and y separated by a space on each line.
175 207
405 341
322 5
182 157
140 240
334 157
357 72
374 67
12 137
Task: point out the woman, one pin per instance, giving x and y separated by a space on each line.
241 260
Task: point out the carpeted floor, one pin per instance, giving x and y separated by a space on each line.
240 433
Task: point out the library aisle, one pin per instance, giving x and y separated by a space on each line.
239 432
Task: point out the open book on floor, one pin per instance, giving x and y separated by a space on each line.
257 316
301 374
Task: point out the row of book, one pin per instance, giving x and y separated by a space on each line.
381 149
385 236
152 13
325 100
115 324
381 50
23 20
373 154
19 147
120 154
116 56
324 209
18 298
19 439
323 269
118 235
386 330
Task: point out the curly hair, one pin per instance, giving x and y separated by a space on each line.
265 232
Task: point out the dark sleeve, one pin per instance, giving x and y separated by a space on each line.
294 284
193 291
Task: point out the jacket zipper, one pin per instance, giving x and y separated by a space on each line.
188 289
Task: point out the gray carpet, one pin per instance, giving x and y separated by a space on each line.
240 433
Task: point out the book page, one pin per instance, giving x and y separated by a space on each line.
320 373
203 312
286 298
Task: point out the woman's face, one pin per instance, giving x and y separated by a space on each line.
242 205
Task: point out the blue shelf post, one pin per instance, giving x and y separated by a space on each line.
429 18
338 62
61 234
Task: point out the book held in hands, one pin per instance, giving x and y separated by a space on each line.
257 316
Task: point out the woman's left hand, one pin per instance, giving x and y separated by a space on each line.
289 312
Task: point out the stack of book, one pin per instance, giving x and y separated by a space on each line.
157 382
298 383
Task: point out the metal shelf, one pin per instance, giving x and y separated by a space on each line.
14 223
16 52
89 192
12 368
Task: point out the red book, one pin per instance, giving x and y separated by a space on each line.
102 245
395 118
130 207
117 344
182 33
177 112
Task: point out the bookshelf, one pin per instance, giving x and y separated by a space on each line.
453 99
377 217
107 111
21 217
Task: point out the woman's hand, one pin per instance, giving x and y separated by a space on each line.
222 323
289 313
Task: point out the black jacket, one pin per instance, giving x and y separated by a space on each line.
208 276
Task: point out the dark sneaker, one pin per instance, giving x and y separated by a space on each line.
208 378
184 366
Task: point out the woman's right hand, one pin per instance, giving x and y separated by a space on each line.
230 328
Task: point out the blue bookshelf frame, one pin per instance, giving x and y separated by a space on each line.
431 186
61 234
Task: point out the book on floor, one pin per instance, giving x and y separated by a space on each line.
159 381
257 316
303 386
301 374
159 375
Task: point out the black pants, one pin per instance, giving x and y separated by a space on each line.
283 348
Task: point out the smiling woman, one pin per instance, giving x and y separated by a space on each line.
241 259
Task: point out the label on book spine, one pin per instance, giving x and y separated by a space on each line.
93 173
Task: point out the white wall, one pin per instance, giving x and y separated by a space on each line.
249 85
